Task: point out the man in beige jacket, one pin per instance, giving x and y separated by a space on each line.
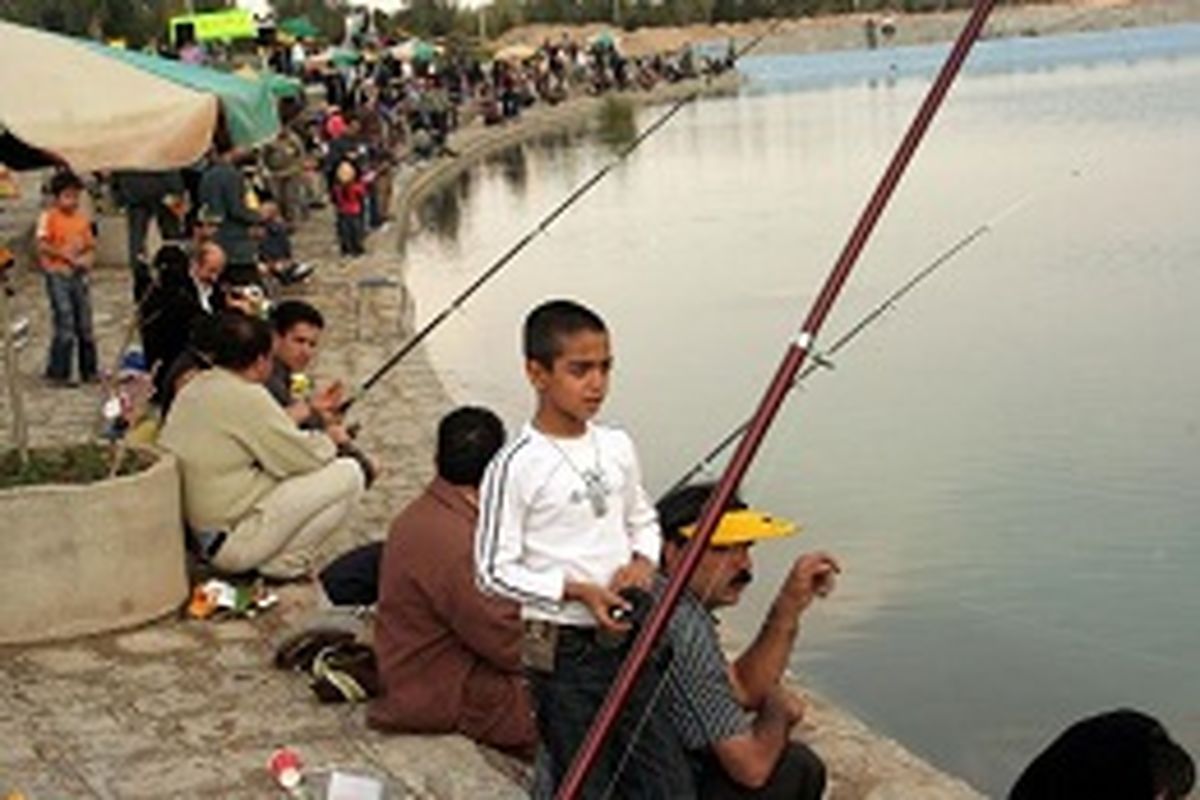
275 492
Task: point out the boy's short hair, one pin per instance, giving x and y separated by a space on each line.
240 340
549 323
291 313
64 181
683 507
1122 753
468 438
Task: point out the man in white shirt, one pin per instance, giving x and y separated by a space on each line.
564 527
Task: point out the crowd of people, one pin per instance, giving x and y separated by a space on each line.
340 144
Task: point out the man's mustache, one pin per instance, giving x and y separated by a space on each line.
744 578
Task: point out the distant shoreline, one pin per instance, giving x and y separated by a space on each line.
847 31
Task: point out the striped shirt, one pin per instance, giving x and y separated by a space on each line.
553 510
699 696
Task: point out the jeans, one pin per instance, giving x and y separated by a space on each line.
71 308
643 758
138 218
350 234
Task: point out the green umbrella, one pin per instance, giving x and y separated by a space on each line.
415 50
424 51
344 57
279 85
299 28
282 85
250 111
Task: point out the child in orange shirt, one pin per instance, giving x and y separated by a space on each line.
66 251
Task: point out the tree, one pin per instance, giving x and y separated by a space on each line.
137 21
327 16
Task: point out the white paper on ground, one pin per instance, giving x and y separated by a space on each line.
343 786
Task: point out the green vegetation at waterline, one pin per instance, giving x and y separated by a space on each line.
616 124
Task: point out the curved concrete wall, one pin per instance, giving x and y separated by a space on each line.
82 559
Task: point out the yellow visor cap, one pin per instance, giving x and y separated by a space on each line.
745 526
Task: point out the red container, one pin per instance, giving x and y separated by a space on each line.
285 768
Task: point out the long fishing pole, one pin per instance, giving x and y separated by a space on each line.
537 230
820 360
793 359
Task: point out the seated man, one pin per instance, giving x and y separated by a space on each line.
735 719
274 491
449 655
298 328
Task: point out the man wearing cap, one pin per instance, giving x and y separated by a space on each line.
735 719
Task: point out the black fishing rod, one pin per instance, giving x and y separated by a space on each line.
537 230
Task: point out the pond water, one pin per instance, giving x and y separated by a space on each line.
1008 464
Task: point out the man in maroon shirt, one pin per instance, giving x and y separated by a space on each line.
449 655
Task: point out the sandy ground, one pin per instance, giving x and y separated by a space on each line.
844 32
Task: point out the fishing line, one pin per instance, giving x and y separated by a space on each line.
821 359
539 228
821 362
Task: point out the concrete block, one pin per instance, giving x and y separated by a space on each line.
89 558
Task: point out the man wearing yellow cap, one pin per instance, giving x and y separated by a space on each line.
735 719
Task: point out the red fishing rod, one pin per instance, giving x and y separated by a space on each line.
793 359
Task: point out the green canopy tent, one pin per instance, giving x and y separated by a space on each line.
251 114
415 50
344 57
280 86
300 28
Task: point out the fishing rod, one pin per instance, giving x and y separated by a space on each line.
793 360
821 359
537 230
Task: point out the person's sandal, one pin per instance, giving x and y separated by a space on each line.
300 650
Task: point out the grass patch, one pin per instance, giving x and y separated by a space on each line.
75 464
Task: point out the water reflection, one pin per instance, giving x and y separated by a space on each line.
616 125
512 164
441 212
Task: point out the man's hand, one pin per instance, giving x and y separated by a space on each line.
600 601
813 575
338 434
327 402
639 572
299 411
786 705
238 301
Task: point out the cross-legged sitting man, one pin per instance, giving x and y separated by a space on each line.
735 719
449 655
267 492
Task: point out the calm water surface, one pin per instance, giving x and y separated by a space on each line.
1008 465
